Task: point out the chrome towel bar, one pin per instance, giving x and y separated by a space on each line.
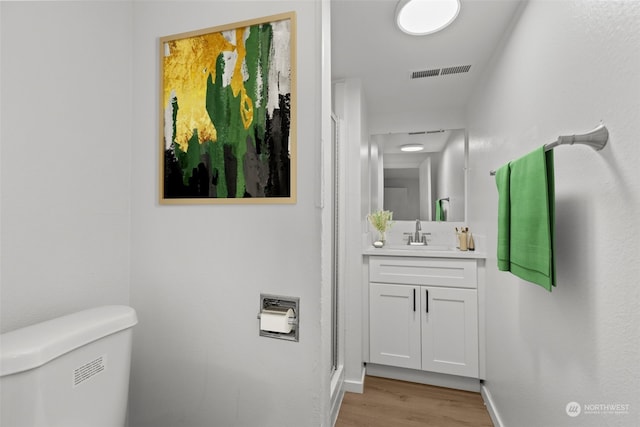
596 139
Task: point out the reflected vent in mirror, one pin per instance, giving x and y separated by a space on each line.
440 71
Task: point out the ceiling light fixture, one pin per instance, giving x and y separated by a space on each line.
411 147
421 17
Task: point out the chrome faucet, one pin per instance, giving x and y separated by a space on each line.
416 236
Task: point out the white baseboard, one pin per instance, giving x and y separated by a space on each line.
491 408
337 393
355 386
335 407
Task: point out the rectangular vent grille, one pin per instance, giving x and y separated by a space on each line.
440 71
425 73
456 70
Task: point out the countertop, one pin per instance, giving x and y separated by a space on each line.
423 252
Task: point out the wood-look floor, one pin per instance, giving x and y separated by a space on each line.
392 403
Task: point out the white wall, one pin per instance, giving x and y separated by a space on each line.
376 179
333 384
70 230
65 158
566 66
349 105
198 271
450 180
426 196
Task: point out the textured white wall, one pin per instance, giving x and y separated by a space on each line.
65 172
566 66
349 106
198 271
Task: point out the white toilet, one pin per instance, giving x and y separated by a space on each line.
72 371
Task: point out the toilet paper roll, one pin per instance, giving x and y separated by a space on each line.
276 321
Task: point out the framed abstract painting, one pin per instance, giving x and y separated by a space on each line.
228 113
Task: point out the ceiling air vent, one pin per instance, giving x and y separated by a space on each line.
440 71
456 70
425 73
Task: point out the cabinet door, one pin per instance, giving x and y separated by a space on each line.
394 325
450 330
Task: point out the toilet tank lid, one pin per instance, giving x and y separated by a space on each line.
35 345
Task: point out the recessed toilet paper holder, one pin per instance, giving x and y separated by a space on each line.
280 320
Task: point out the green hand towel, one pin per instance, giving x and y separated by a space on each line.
504 216
531 218
439 211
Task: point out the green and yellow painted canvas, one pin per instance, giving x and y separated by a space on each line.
228 117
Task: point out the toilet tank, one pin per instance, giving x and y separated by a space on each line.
72 371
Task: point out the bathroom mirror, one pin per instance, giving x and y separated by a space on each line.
412 184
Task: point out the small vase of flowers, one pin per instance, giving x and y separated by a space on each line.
382 221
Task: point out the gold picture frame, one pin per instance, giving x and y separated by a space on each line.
228 113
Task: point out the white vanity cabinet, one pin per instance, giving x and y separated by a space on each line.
423 314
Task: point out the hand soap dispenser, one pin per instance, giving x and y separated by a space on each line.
463 239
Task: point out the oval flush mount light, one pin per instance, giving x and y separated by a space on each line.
411 147
421 17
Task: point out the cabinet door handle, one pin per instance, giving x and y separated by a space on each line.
414 299
427 304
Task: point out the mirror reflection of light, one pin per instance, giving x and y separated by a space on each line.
412 147
421 17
